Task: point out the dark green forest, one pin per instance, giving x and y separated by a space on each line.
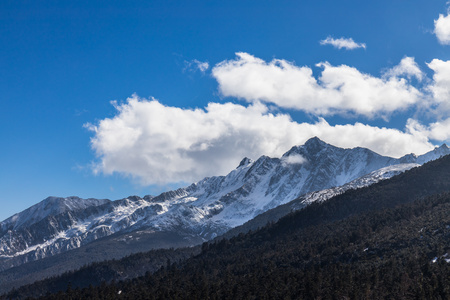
387 241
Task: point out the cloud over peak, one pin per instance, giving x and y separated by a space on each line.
159 144
342 43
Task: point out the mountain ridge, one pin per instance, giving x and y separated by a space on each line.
381 241
205 209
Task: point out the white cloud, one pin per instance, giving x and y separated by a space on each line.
440 86
196 65
442 29
160 144
338 90
346 43
439 131
295 159
407 67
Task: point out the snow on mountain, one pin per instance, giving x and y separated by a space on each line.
207 208
48 207
366 180
434 154
274 214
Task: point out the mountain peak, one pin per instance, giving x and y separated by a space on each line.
134 198
315 144
245 161
442 149
314 140
312 145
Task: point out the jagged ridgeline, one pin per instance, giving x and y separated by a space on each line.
388 240
194 214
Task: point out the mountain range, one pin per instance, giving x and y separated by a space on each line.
386 240
204 210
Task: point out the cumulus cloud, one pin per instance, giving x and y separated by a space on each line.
338 90
438 131
196 65
342 43
442 29
407 67
158 144
440 86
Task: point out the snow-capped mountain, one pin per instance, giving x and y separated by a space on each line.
50 206
204 209
274 214
366 180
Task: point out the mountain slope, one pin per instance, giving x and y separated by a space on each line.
48 207
202 210
276 213
113 247
388 240
119 245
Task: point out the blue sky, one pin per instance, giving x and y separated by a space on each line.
200 84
